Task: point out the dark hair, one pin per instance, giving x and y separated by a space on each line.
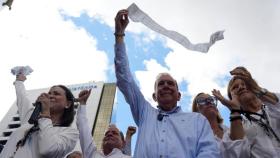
69 113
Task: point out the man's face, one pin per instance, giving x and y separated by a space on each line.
166 92
112 138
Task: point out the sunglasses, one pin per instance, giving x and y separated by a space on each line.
207 101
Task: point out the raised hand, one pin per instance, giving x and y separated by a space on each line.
243 73
44 99
121 21
230 104
21 77
130 130
240 71
83 96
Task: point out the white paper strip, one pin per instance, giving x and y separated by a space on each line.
137 15
26 70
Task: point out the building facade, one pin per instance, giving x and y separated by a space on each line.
99 110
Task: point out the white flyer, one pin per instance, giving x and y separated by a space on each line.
137 15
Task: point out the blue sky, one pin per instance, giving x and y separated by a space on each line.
70 42
137 54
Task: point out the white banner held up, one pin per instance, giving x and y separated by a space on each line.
137 15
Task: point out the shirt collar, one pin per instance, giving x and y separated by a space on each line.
176 109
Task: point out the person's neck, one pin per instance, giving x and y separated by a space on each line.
217 130
167 107
253 105
107 150
56 119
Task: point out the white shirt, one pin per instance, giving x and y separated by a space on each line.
87 144
256 143
49 141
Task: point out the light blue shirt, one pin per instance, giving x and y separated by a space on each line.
177 135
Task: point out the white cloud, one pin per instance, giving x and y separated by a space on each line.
58 51
251 40
34 33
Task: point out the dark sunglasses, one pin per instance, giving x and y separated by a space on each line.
206 101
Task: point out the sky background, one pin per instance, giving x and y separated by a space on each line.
69 42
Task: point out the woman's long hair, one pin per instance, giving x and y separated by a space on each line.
69 113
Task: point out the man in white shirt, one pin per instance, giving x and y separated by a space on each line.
112 143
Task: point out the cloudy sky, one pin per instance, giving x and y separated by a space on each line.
69 42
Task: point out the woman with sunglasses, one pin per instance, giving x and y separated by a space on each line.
207 105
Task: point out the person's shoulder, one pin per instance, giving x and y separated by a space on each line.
192 115
68 129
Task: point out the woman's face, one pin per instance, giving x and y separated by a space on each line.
206 105
58 100
242 93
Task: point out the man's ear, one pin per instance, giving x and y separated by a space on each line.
179 96
154 97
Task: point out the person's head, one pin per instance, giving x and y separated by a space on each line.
112 139
237 86
206 105
75 154
62 102
166 91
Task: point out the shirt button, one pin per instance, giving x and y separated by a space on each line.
162 140
164 120
163 131
160 156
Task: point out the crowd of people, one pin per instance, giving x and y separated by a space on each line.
163 132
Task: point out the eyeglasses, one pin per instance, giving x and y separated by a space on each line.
206 101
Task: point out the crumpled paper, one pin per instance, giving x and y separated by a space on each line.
26 70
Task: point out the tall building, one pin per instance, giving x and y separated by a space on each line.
99 110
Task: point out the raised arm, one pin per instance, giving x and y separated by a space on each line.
86 141
24 105
131 130
236 127
125 81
